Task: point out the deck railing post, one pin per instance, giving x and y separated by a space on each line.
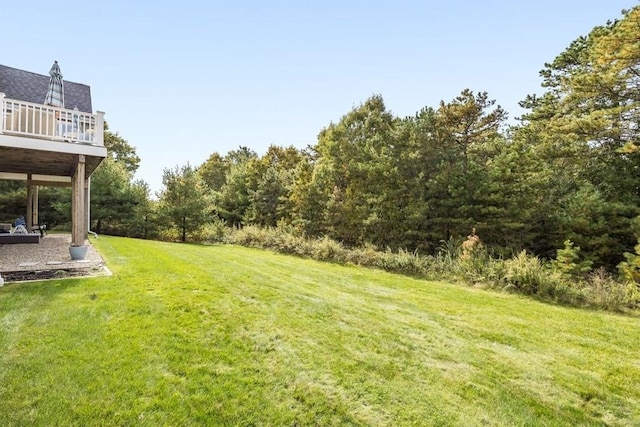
31 119
3 111
99 128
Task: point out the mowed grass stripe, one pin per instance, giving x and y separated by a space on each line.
225 335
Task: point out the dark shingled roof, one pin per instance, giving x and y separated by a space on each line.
32 87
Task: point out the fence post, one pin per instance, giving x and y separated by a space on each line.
3 111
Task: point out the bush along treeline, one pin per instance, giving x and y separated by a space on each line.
567 279
567 176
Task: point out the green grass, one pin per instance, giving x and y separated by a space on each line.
225 335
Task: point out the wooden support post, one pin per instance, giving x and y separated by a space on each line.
36 205
29 215
87 212
78 218
32 204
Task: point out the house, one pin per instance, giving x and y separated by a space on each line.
49 145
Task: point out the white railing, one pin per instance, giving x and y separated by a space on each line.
22 118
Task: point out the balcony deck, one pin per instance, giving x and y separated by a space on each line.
45 141
27 119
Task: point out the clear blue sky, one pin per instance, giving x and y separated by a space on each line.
182 79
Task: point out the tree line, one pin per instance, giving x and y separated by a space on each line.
568 171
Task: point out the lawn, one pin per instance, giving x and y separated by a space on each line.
225 335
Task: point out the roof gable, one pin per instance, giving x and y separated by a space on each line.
31 87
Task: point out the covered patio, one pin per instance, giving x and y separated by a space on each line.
49 163
48 259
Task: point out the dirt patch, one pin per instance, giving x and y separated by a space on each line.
21 276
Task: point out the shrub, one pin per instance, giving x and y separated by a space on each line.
216 231
405 262
630 268
326 249
251 236
469 261
367 256
528 275
603 291
169 235
484 269
476 263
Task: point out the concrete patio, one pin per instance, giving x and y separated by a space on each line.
47 259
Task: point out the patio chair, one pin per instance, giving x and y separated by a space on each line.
21 227
19 234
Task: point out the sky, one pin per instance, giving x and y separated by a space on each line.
180 80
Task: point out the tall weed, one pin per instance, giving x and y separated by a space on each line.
448 251
603 291
368 256
405 262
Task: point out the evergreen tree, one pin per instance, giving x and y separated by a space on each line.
585 130
111 201
184 201
270 180
355 172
